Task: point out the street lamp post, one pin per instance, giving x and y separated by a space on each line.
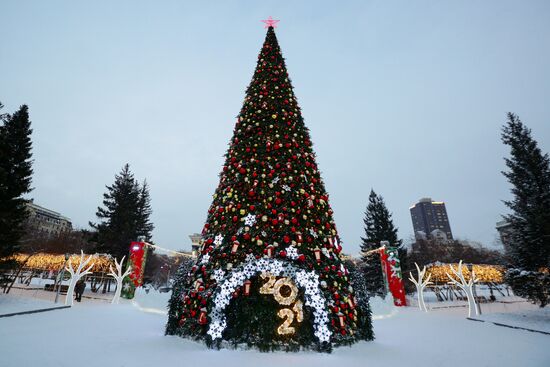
61 278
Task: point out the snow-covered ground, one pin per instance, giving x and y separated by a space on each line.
132 334
11 304
532 318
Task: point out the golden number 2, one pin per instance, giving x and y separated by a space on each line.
267 288
288 315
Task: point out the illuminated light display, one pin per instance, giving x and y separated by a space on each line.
484 273
54 262
298 310
269 269
279 297
288 315
267 288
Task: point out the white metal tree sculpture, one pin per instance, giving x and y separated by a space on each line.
466 286
119 277
421 283
76 275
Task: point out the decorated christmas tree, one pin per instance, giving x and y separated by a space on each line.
269 274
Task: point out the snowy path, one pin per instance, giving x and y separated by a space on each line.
121 335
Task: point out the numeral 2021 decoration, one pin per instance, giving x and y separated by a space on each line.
274 287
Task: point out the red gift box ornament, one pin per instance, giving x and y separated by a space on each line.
317 254
247 284
203 320
198 284
234 247
341 318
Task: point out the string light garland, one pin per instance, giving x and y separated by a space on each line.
54 262
484 273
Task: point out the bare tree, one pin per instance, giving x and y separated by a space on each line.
119 277
76 275
421 283
466 286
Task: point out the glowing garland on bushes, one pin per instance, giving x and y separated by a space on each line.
309 281
485 273
54 262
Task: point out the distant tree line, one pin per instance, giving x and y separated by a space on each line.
124 217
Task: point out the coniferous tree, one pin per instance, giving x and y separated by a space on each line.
270 223
378 227
175 306
529 174
15 178
144 224
361 284
125 215
529 247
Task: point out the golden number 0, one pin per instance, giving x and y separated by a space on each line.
284 300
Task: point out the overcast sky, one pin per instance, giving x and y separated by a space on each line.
406 97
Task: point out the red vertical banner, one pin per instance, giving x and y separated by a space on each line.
138 256
392 270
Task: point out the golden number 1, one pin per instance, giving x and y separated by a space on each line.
299 311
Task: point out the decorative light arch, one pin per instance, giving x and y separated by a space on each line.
228 283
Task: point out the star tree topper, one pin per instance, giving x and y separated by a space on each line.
270 22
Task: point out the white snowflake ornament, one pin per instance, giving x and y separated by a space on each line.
250 220
313 233
292 252
218 240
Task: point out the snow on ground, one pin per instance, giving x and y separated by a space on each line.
132 334
536 319
11 304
